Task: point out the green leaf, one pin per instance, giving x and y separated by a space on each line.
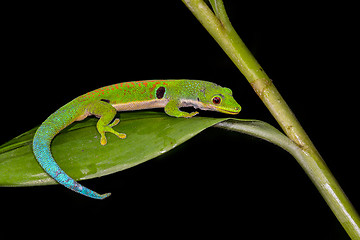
78 152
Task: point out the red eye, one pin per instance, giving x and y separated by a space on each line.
216 100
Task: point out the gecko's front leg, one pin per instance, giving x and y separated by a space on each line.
172 109
106 112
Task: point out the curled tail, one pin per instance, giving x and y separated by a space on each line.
41 148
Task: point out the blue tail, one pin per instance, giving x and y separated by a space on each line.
41 148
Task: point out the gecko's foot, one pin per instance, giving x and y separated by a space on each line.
108 128
103 140
189 115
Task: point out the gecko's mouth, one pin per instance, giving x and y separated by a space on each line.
202 106
233 111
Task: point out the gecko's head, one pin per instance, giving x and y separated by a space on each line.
220 99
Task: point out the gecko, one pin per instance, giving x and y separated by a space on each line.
105 102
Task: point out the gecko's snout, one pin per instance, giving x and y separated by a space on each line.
237 110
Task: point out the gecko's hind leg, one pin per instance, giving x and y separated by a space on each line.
106 112
102 127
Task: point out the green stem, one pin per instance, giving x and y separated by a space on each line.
220 28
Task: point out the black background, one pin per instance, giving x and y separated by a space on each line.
219 183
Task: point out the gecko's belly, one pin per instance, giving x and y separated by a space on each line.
139 105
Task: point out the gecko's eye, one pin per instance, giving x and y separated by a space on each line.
216 100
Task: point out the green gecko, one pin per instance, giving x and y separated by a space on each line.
128 96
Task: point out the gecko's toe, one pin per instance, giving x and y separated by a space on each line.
122 135
103 140
190 115
115 122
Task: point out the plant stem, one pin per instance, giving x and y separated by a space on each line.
220 28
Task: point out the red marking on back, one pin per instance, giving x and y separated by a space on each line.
145 83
